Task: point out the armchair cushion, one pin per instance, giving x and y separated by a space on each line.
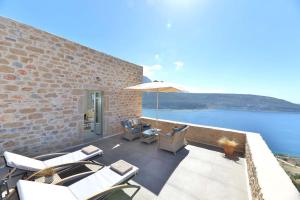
178 129
136 123
126 124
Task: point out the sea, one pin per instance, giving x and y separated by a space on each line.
280 130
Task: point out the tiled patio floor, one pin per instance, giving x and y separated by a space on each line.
194 173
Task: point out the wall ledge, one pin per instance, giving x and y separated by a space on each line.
273 182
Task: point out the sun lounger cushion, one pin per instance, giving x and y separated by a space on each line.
71 157
121 167
23 162
101 180
89 149
28 190
30 164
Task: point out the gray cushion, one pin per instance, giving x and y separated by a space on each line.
89 149
121 167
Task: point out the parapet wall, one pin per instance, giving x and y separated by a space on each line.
267 179
202 134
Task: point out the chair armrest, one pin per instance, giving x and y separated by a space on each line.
166 135
51 155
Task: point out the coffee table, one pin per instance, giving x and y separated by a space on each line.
150 135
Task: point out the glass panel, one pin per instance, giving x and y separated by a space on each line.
98 111
93 114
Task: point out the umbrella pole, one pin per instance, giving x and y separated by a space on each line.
156 109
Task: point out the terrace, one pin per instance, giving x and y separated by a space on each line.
200 170
46 85
196 172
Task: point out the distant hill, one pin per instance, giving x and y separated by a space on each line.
146 79
217 101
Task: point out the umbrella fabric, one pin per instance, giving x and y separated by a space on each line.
157 87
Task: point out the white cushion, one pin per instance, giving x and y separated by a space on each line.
23 162
30 164
100 181
71 157
29 190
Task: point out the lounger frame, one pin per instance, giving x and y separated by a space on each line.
15 172
98 196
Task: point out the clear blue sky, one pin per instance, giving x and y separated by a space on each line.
231 46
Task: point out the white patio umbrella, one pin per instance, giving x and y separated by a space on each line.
157 86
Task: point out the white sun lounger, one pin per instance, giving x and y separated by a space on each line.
95 186
34 164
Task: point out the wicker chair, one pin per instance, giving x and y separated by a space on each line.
173 141
133 128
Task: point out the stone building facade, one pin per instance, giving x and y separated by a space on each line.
43 81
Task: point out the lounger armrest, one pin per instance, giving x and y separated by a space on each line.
3 158
74 178
8 175
49 156
79 175
57 168
104 193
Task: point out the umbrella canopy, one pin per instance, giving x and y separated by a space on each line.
157 86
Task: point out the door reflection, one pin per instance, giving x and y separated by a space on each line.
93 113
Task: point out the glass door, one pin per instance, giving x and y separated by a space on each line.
93 114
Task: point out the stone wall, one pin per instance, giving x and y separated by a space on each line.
202 134
267 179
252 177
43 79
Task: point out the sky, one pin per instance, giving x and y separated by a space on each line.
211 46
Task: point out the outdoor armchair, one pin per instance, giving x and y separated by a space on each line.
132 128
174 140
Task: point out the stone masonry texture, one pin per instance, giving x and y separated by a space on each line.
253 181
43 79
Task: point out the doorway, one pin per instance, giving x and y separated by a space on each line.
93 114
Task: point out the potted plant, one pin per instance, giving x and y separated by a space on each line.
228 146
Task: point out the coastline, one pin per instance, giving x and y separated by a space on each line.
223 109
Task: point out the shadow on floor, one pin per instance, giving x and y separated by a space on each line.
156 166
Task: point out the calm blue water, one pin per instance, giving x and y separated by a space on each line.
280 130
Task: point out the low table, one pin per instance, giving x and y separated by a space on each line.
150 135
